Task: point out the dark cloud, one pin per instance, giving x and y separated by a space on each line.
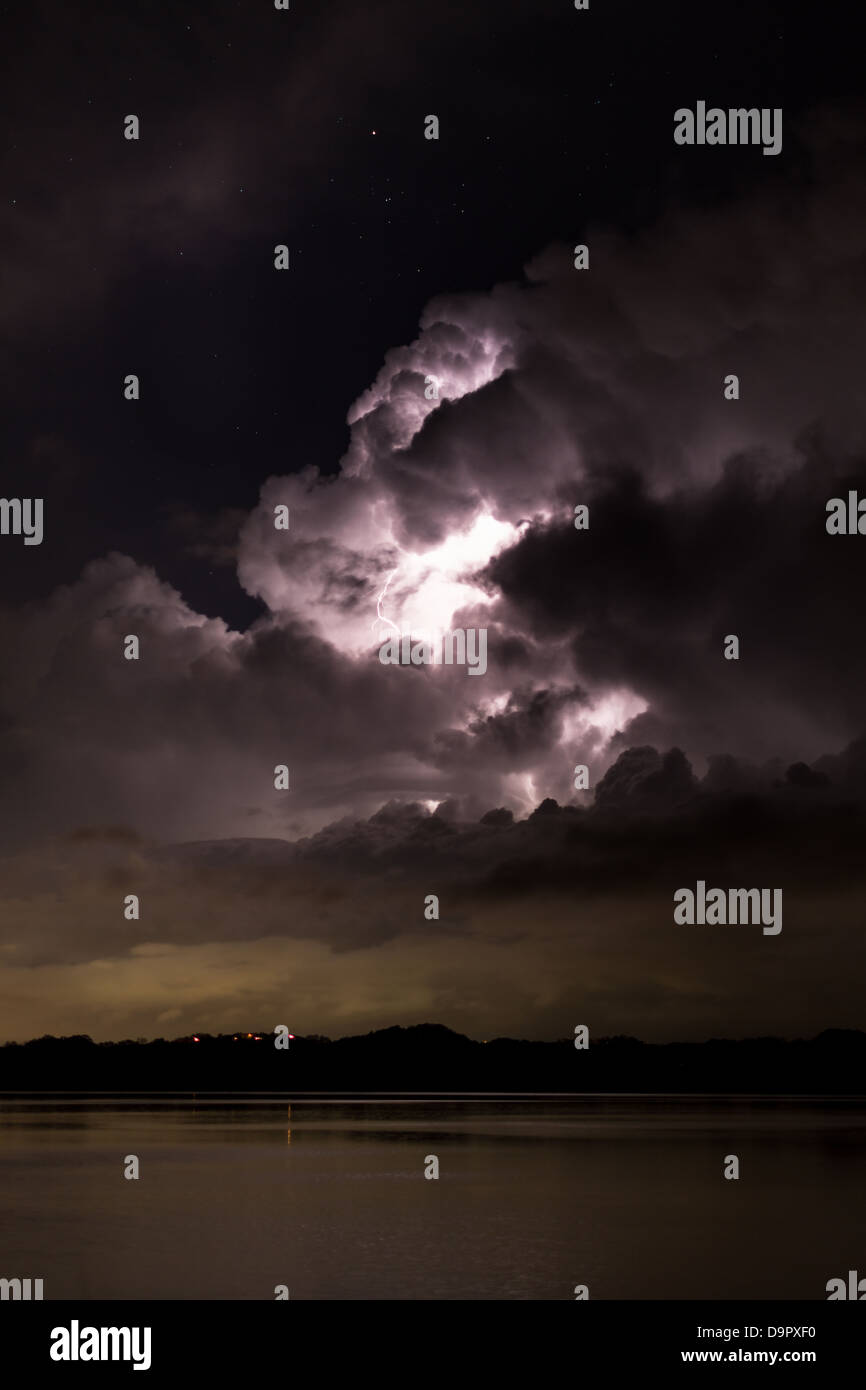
558 905
650 592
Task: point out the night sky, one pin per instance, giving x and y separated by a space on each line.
410 258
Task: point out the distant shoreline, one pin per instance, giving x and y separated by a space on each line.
428 1061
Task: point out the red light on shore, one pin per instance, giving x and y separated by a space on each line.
196 1039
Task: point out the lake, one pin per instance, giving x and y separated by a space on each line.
623 1194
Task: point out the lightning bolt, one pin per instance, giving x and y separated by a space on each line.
380 616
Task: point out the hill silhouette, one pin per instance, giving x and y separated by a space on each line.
429 1057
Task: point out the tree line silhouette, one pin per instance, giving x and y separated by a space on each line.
429 1057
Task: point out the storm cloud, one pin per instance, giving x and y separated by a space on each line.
602 388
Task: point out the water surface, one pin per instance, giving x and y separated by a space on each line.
625 1195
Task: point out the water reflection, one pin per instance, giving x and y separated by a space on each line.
625 1195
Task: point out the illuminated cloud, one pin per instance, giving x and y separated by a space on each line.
457 510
